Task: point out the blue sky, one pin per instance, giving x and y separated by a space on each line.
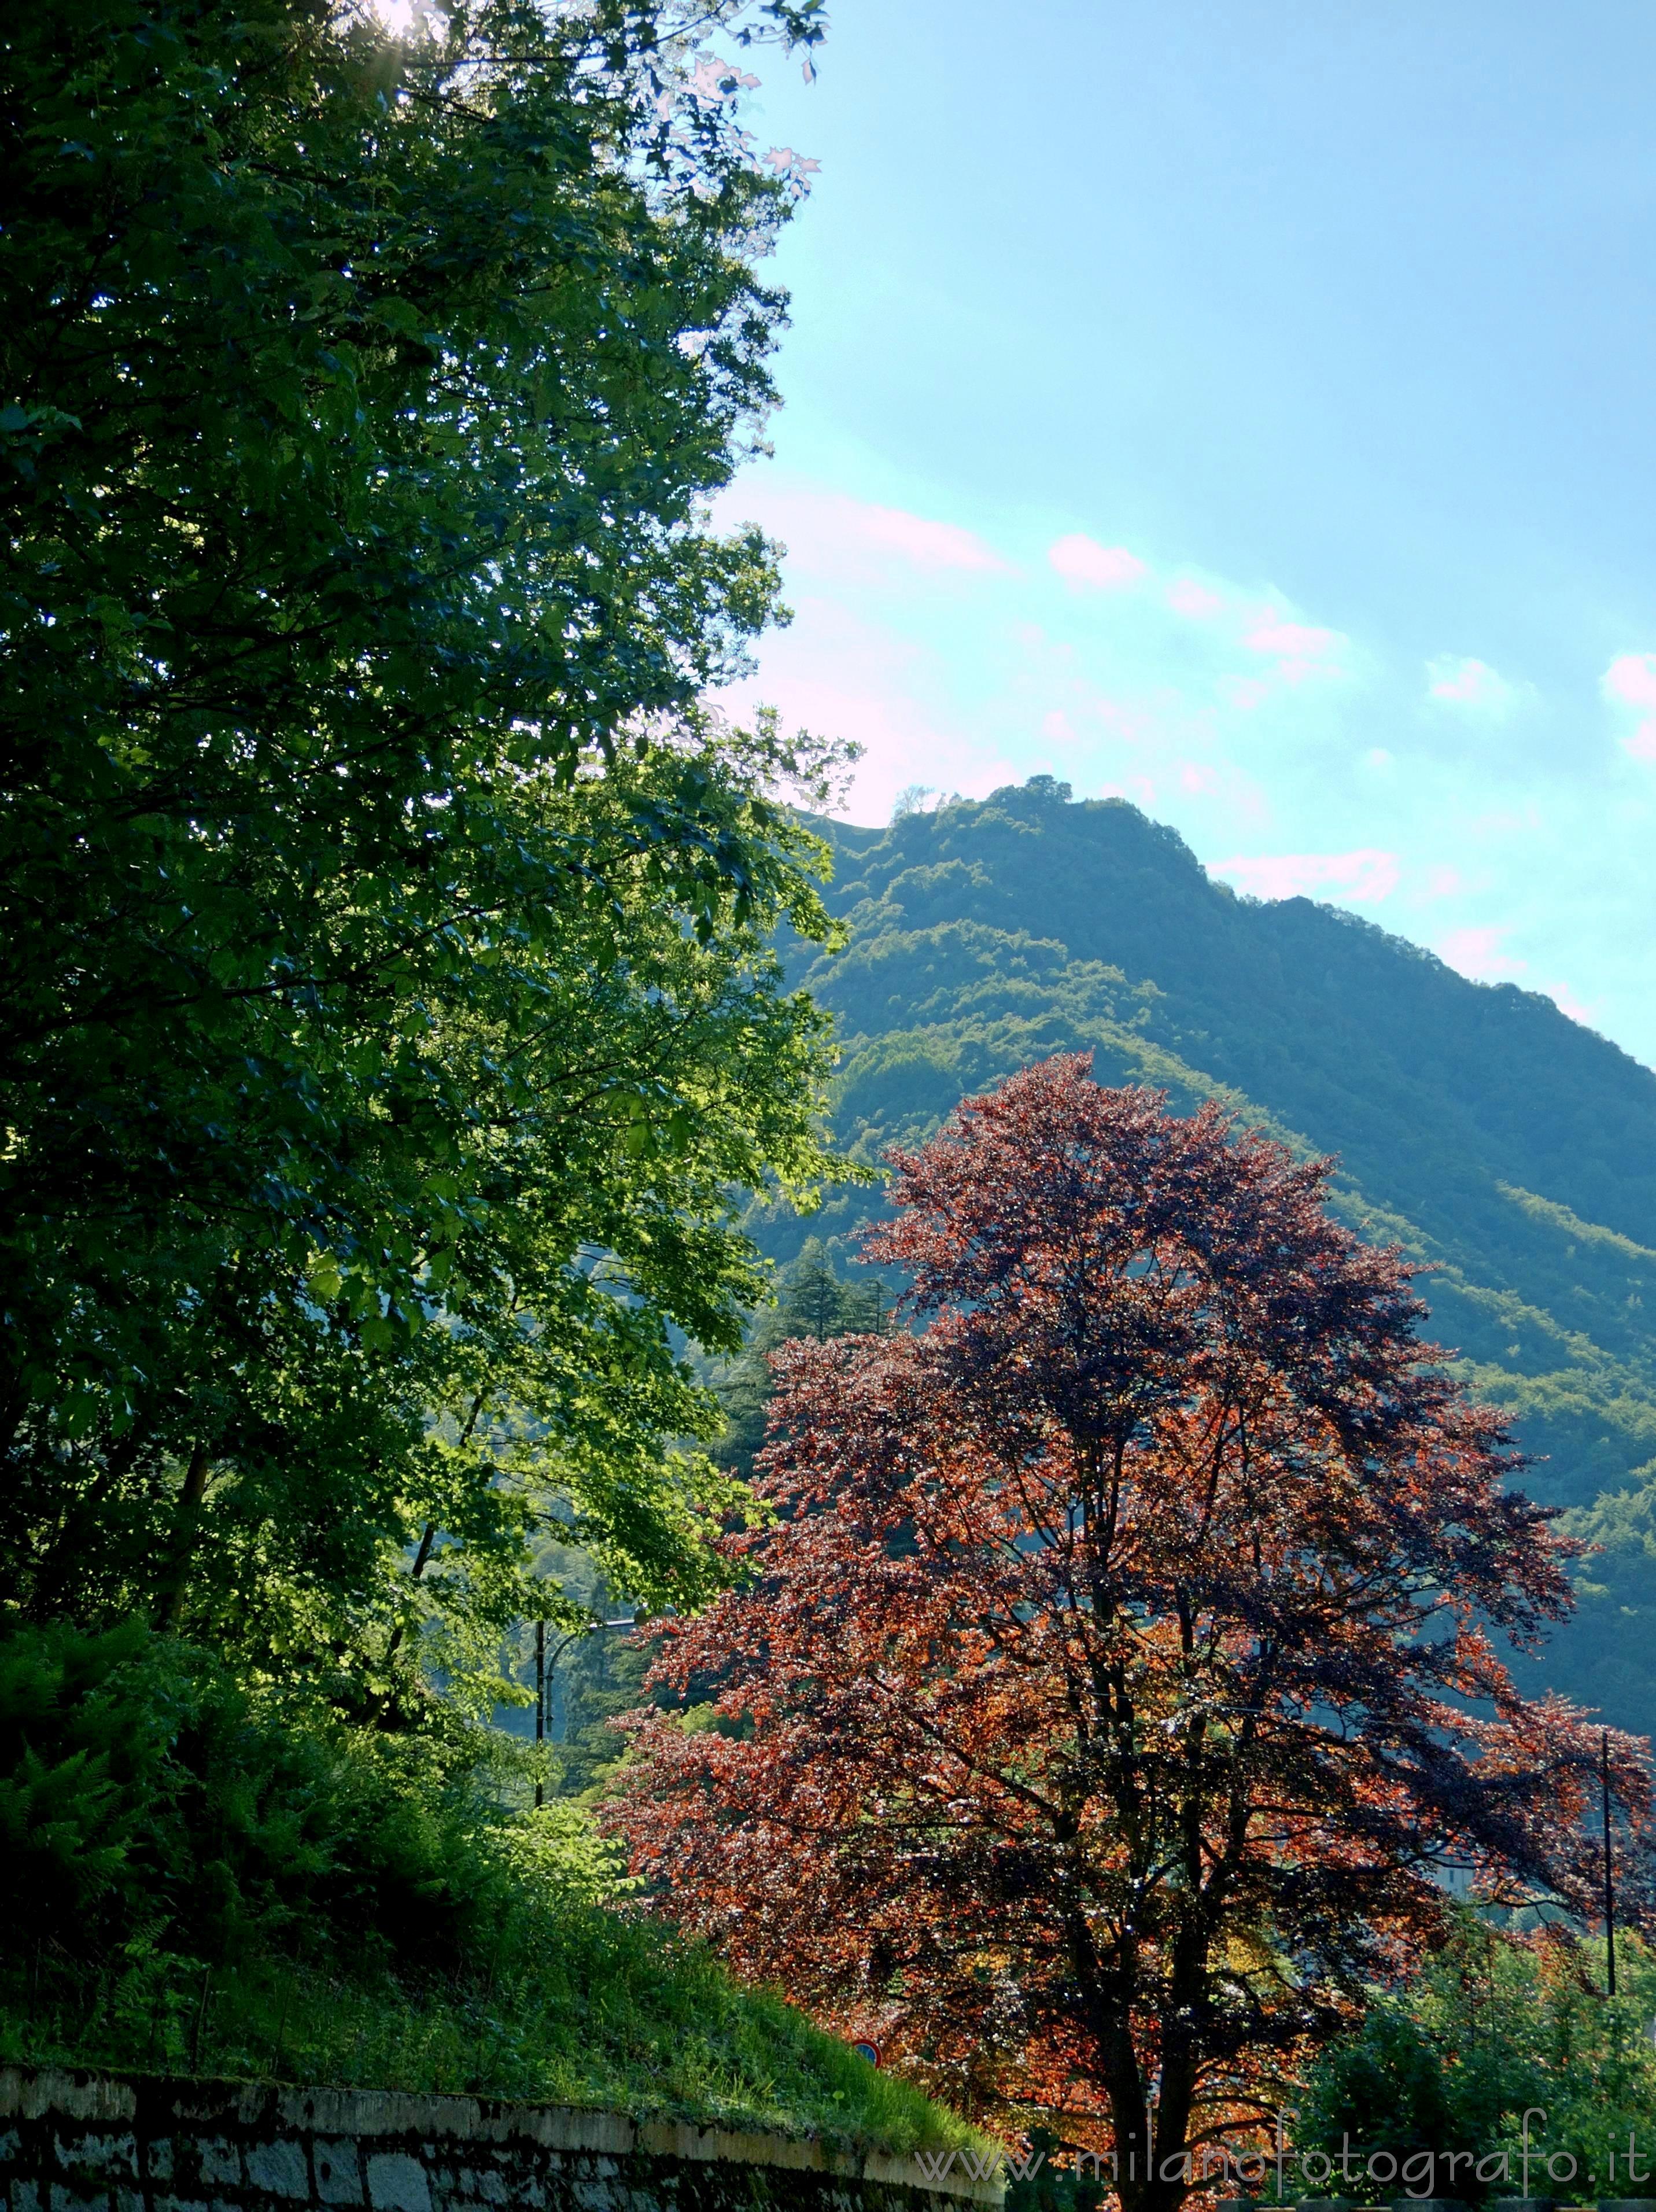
1248 410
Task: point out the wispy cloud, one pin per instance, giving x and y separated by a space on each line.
1367 873
1193 600
928 544
1328 767
1300 650
1631 681
1443 883
829 533
1471 687
1476 952
1299 640
1081 559
841 674
1244 693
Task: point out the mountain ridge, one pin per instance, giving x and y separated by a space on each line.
1509 1148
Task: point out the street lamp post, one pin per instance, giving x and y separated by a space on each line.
1609 1868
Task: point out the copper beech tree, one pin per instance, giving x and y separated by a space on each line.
1116 1683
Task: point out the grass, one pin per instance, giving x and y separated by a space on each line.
602 2011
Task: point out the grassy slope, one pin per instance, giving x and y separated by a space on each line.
611 2013
231 1881
1475 1124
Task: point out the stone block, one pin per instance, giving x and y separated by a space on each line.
116 2155
278 2169
68 2196
338 2176
218 2161
329 2150
33 2096
397 2183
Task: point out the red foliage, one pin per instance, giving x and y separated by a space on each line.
1118 1681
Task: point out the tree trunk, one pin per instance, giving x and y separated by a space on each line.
540 1710
427 1539
176 1575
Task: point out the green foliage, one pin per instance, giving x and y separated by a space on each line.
555 1850
1491 2029
1057 2183
1502 1145
82 1766
609 1092
386 1006
152 1803
597 1672
222 1884
601 1678
389 1019
812 1299
1389 2089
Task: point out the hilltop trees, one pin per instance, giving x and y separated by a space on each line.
1116 1682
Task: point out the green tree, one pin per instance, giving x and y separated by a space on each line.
1495 2024
1386 2090
386 1012
812 1300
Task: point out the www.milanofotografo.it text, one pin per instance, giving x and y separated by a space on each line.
1287 2172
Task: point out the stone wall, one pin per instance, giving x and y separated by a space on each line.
84 2143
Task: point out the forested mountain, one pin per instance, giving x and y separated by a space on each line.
1509 1147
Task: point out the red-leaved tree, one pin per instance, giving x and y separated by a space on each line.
1117 1684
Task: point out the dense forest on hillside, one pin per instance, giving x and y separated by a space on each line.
1504 1144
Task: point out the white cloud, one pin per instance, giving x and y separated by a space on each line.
1476 952
1081 559
1471 687
1193 600
964 658
838 673
927 545
830 534
1631 681
1300 650
1366 873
